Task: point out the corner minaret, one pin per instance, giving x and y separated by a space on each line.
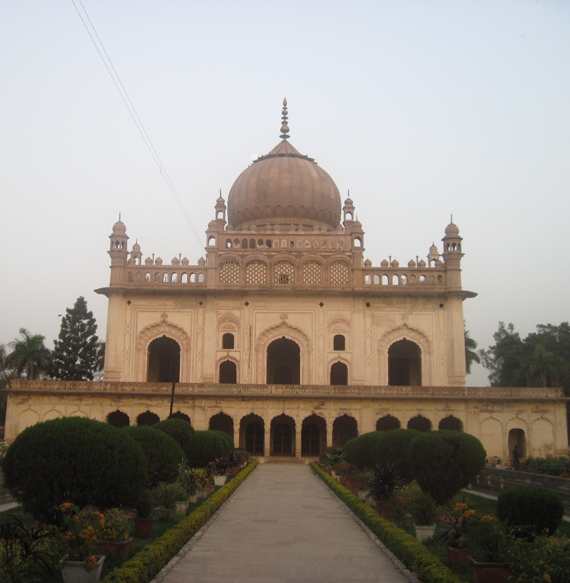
118 250
452 256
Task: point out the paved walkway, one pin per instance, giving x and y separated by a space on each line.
284 526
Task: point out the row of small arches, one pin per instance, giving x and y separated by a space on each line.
284 244
402 279
166 277
228 341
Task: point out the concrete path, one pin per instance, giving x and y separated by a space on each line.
284 526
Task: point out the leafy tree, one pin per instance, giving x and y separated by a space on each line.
29 355
542 368
471 354
75 356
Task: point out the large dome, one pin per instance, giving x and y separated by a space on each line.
284 189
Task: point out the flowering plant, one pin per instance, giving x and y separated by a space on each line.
488 538
543 559
457 519
117 524
202 477
82 530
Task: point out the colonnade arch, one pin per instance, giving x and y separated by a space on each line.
118 419
222 422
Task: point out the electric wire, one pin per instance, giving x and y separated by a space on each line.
133 113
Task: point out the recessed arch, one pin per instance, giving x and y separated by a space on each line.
451 422
404 364
228 372
118 419
147 418
252 434
228 341
283 435
345 427
283 362
339 374
313 435
180 415
163 361
387 423
420 423
222 422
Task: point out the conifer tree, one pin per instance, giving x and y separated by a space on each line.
75 356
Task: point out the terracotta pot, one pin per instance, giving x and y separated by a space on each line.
423 532
459 556
76 572
193 498
489 572
144 527
117 548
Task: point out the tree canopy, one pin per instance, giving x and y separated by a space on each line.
29 355
76 352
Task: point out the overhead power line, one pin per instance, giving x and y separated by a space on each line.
90 28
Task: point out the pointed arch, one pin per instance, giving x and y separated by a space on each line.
154 331
283 330
415 335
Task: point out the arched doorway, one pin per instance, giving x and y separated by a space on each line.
163 361
147 418
419 423
228 372
339 374
313 435
180 415
118 419
252 434
283 435
517 437
451 422
404 364
283 362
387 422
222 422
344 428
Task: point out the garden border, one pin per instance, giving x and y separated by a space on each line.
413 555
153 558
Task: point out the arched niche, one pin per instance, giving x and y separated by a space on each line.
404 364
289 332
163 361
180 415
452 423
147 418
283 435
118 419
283 362
252 434
228 372
339 374
313 435
387 422
414 335
345 427
222 422
419 423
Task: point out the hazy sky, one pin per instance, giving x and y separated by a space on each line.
422 109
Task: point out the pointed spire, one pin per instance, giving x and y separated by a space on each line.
284 127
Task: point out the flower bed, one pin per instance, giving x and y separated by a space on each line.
143 567
413 554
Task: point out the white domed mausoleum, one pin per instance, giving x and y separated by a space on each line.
287 338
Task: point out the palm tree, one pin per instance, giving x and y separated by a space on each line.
471 354
29 355
543 368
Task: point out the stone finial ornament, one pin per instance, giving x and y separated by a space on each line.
284 127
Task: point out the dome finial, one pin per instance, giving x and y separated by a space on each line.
284 127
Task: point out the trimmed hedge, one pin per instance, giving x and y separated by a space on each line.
382 447
162 452
145 565
178 429
74 459
537 509
206 446
445 461
413 554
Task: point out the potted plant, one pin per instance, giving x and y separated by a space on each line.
181 499
116 539
424 513
219 469
164 496
144 523
455 533
82 530
202 482
491 544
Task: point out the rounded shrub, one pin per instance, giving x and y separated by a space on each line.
536 510
178 429
443 462
206 446
76 460
163 453
382 447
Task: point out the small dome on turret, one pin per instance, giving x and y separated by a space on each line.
136 248
411 263
451 230
119 227
368 263
384 263
395 263
421 264
433 248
